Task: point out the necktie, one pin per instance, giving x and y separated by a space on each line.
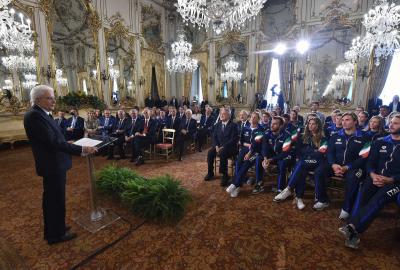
146 123
59 121
106 122
73 122
120 123
187 124
223 127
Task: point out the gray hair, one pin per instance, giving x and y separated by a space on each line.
189 110
38 91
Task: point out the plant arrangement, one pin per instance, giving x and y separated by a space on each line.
80 99
161 199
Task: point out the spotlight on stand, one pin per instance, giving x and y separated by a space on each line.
280 49
302 46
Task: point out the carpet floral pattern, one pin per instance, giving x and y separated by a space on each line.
217 232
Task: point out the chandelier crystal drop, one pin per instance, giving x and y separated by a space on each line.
30 81
382 27
61 81
222 14
181 62
19 62
8 84
14 35
231 73
361 47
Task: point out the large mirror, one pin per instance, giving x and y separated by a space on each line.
18 55
232 91
74 47
121 63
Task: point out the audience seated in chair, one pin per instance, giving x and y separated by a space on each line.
225 140
75 127
119 132
132 132
205 128
187 132
146 137
382 185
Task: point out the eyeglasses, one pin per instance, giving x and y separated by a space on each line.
49 98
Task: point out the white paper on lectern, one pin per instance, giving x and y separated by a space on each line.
87 142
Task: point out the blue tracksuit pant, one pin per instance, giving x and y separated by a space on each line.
298 179
245 166
370 201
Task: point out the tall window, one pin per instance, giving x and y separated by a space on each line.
84 87
196 85
225 90
392 85
274 82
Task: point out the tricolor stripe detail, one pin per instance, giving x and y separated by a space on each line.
294 135
323 147
286 145
365 150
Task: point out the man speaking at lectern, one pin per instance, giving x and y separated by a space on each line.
52 158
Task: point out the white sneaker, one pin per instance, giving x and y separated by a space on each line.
235 192
344 215
319 206
283 195
230 188
300 204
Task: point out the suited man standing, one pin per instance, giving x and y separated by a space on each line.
187 131
174 102
62 122
52 160
373 106
149 102
225 141
75 126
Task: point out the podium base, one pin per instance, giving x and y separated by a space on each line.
97 220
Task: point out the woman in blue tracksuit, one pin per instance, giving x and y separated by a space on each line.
311 152
376 128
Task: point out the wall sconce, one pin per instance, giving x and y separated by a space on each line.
364 73
104 76
210 81
142 81
252 79
48 72
93 74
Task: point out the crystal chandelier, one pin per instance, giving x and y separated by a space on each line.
181 62
14 36
114 73
359 48
222 14
8 85
344 72
30 81
231 73
19 62
61 81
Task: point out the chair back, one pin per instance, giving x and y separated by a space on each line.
168 135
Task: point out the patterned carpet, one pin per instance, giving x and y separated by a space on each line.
217 232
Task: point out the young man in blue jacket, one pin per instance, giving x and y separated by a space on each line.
381 187
347 155
276 146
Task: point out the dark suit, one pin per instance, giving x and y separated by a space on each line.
107 126
52 159
175 124
163 103
149 102
373 106
391 107
191 127
136 125
205 129
142 142
174 102
63 124
227 138
78 129
121 125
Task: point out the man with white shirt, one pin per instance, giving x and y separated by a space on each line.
394 106
384 113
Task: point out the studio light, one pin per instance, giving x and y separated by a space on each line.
302 46
280 49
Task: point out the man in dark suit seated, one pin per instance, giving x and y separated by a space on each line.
119 133
173 121
146 137
225 141
187 131
52 159
134 129
106 123
75 127
205 127
174 102
62 122
161 124
373 106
